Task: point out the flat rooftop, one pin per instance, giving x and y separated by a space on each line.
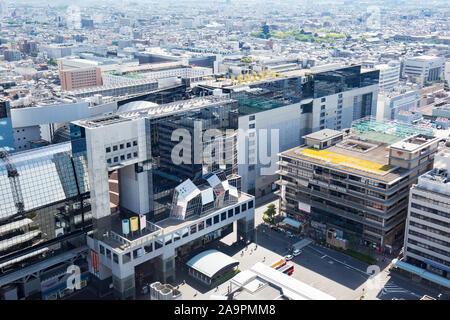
414 143
372 163
324 134
154 111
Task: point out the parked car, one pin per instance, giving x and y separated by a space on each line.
289 257
296 252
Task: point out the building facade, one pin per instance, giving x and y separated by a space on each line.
424 68
357 185
427 233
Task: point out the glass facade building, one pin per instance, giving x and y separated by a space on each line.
44 205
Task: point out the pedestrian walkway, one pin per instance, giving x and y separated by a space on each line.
393 288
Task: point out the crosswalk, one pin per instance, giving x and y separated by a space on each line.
393 288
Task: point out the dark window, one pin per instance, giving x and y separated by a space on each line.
128 144
108 149
135 143
323 99
250 204
114 148
109 160
244 207
135 154
237 210
223 216
122 157
230 213
216 219
102 249
122 146
116 159
208 222
251 126
252 117
148 248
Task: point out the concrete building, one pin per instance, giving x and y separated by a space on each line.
64 188
133 144
57 50
424 68
357 185
287 108
427 233
389 75
74 79
12 55
389 104
79 73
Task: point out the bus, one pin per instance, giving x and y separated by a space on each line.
287 269
279 263
283 264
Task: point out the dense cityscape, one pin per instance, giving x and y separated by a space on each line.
253 150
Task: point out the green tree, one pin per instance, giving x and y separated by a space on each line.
270 212
52 61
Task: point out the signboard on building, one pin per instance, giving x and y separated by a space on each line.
304 207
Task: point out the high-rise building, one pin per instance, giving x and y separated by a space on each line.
427 233
389 75
115 169
179 216
356 184
285 108
44 215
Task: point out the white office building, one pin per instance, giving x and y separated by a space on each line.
427 234
424 68
389 75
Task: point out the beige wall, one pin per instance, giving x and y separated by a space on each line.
80 78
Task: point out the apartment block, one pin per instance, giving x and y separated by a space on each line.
427 233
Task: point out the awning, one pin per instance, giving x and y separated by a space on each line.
211 262
292 222
422 273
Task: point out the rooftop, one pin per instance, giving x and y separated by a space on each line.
153 111
340 157
210 262
324 134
